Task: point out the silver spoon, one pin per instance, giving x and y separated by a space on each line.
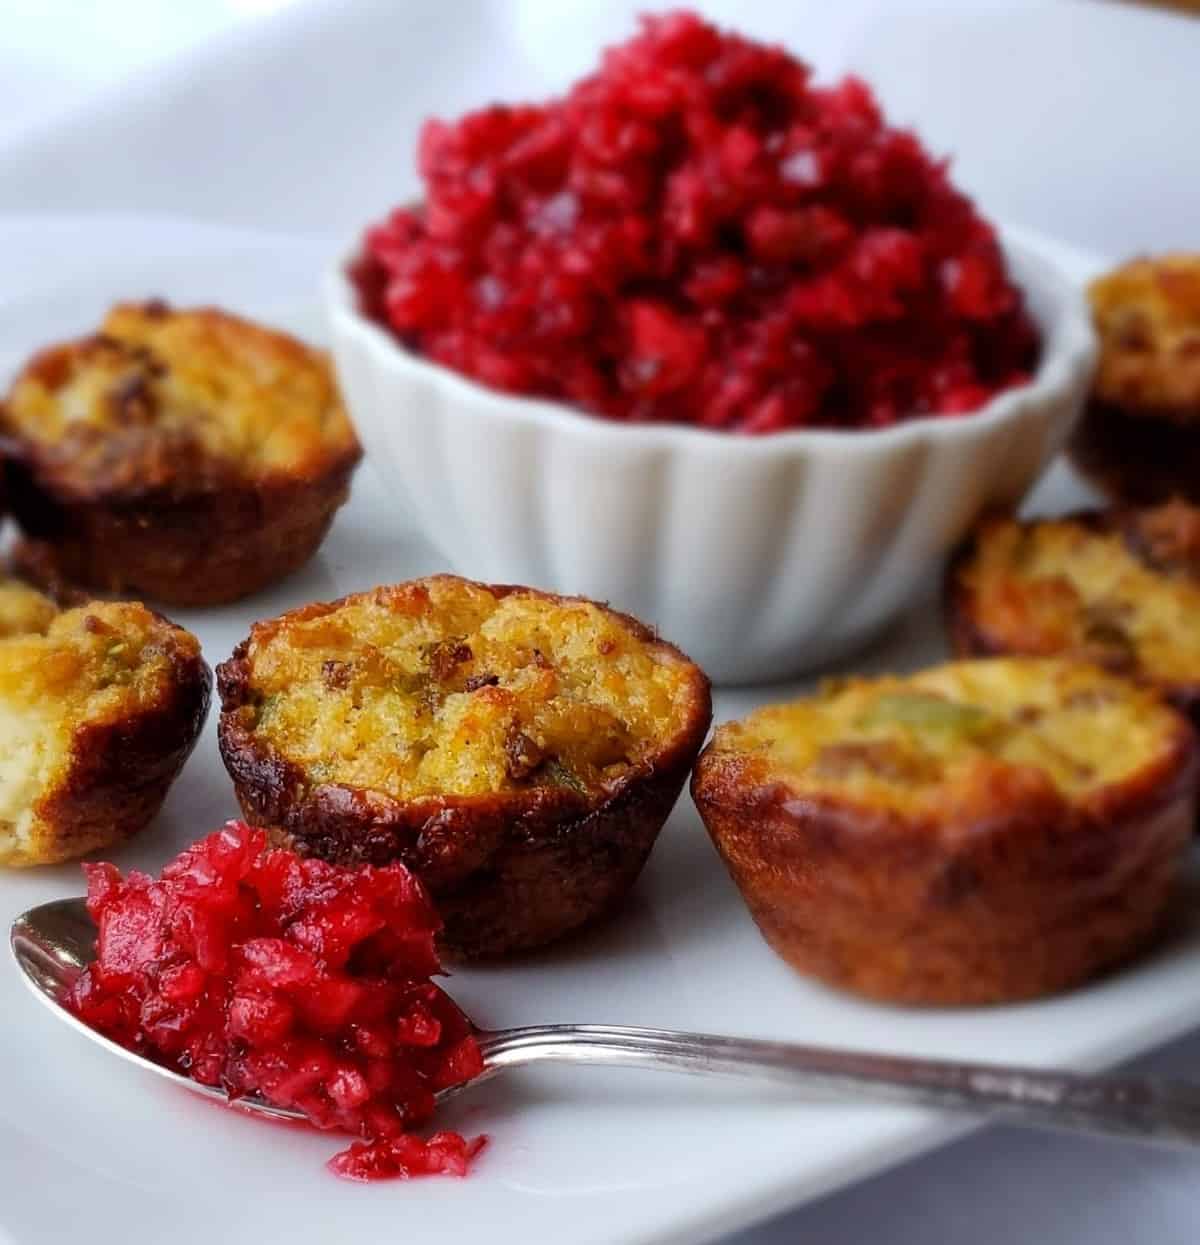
52 943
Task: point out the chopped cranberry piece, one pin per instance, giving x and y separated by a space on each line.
696 233
445 1154
293 979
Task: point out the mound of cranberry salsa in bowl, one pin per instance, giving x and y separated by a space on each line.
709 340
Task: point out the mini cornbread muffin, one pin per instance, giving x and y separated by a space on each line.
1119 588
519 751
980 832
1139 438
187 455
98 712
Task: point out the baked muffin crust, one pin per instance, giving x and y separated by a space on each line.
979 832
190 455
520 751
160 394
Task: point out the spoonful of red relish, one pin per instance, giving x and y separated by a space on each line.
299 982
292 987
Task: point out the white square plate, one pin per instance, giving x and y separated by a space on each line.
583 1156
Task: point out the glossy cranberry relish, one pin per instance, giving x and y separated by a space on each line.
697 234
294 979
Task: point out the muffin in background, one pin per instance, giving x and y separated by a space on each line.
1139 438
1119 588
186 455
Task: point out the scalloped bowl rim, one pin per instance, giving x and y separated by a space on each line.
1068 342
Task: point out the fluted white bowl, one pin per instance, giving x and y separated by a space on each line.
759 556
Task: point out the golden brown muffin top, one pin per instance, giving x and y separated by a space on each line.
1147 313
1125 595
958 738
447 687
23 610
104 653
158 396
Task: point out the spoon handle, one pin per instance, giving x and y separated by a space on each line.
1144 1110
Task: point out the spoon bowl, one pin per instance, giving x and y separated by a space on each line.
54 942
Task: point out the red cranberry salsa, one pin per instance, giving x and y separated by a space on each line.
698 234
306 983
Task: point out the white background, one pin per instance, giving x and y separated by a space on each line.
1080 119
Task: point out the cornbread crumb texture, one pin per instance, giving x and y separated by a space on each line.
443 686
92 666
23 610
155 386
1059 586
959 737
1147 313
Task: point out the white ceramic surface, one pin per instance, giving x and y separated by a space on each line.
758 556
596 1158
